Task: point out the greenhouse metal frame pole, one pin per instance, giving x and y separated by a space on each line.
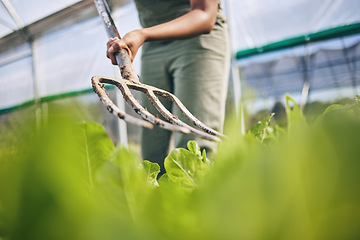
234 74
20 25
40 108
306 78
8 6
121 125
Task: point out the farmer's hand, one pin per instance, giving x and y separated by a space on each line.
131 42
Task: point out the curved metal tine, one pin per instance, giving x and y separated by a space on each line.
98 88
186 112
174 119
150 91
122 84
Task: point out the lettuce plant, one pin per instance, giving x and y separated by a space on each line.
67 180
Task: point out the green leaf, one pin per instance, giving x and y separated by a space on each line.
356 104
261 129
203 156
43 187
185 168
294 115
337 111
164 179
95 148
123 182
151 170
331 108
194 148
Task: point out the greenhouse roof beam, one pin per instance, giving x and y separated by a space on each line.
11 10
75 13
56 20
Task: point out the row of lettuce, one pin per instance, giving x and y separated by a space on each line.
66 180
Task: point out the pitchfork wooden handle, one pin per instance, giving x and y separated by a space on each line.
127 70
122 57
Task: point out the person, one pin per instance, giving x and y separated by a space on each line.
185 50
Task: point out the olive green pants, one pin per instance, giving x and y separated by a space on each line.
196 71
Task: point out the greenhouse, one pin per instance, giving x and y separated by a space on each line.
286 167
314 56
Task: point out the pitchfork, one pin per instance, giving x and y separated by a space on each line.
130 80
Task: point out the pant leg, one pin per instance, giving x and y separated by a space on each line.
201 73
155 142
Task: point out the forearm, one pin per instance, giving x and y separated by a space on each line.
201 19
196 22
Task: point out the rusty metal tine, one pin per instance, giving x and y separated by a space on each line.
192 118
151 118
174 119
122 84
186 112
151 93
112 108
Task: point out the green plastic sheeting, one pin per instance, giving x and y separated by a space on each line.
50 98
330 33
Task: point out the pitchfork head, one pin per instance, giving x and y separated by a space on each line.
173 124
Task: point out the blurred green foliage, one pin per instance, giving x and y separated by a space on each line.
66 180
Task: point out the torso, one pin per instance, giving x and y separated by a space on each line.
154 12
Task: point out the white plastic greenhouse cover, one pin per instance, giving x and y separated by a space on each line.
259 22
64 59
29 11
